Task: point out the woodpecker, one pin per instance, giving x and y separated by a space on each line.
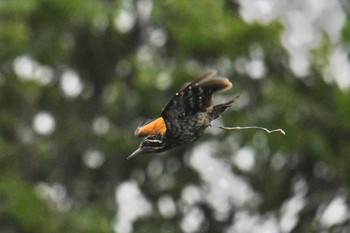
186 116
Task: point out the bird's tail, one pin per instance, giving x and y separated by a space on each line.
220 108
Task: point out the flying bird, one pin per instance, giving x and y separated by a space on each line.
187 115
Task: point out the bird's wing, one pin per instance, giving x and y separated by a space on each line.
194 97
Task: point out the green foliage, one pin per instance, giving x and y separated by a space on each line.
126 78
346 31
217 30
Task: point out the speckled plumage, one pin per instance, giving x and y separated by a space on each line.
186 116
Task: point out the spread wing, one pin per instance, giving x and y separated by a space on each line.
194 97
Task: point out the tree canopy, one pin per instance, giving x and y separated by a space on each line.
77 77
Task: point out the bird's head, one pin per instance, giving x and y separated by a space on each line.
150 144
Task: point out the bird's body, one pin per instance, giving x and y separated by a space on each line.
185 118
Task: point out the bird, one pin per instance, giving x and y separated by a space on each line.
186 116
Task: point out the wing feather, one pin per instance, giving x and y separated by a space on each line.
194 97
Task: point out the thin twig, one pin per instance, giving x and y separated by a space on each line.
253 127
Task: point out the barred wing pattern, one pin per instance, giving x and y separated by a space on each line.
192 98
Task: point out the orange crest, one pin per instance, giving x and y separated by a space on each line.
153 127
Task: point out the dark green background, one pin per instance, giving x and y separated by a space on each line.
121 85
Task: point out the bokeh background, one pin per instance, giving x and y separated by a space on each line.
77 77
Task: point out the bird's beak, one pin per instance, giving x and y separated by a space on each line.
136 153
